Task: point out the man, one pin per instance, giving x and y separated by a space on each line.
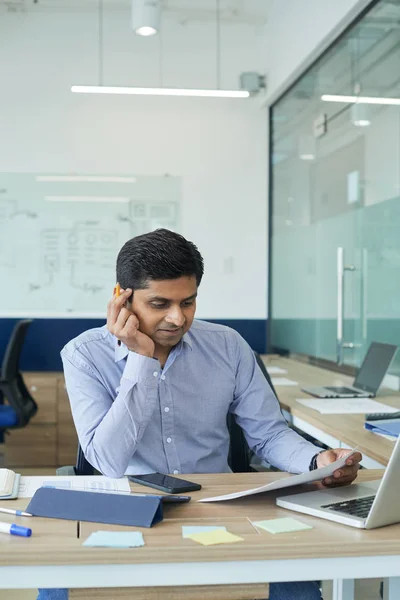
151 390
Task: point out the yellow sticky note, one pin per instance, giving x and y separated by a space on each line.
218 536
281 525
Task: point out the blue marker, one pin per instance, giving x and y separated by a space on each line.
13 529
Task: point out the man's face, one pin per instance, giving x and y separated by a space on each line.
166 309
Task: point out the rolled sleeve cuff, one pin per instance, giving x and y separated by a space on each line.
141 368
304 456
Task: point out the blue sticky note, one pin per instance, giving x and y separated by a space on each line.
190 530
115 539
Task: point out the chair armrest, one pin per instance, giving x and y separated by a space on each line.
66 471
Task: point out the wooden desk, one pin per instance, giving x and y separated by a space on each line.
333 430
55 557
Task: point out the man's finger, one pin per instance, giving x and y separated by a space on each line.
115 305
123 317
354 458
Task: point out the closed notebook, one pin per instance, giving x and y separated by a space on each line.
97 507
9 484
385 426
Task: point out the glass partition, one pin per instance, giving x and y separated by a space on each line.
335 205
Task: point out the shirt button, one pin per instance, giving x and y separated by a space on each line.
166 409
162 376
176 472
169 440
155 373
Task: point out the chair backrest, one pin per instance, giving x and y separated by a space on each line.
83 466
12 385
265 372
9 367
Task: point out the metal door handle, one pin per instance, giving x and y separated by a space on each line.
341 268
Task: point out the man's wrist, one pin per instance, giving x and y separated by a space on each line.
313 462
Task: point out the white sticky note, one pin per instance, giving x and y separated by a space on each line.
283 381
115 539
273 370
188 530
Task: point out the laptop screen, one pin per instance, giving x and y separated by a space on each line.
374 367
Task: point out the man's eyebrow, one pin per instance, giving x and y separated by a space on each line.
161 299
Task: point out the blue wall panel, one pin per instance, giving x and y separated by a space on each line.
46 337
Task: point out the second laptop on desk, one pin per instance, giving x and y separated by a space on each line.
369 378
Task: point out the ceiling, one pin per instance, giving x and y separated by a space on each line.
253 12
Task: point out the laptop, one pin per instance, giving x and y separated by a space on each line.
369 378
364 505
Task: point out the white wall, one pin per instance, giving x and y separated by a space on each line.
218 147
294 29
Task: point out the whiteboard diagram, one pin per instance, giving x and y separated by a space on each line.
60 236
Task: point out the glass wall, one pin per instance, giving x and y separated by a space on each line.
335 205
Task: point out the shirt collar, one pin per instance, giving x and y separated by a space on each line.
121 351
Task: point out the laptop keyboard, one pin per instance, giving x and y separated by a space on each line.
359 507
340 390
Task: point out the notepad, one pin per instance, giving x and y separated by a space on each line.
211 538
9 484
188 531
284 525
115 539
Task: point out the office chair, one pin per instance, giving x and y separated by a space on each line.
239 452
21 406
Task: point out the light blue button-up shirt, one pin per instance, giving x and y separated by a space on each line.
134 417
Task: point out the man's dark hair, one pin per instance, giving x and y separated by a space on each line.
158 255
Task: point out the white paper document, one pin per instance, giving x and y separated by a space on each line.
349 406
29 485
275 370
307 477
277 381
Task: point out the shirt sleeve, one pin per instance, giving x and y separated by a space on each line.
109 429
258 413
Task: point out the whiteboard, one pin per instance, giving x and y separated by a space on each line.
60 236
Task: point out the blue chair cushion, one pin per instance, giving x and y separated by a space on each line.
8 416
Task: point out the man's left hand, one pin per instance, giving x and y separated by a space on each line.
345 474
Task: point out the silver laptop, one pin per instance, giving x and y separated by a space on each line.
365 505
369 378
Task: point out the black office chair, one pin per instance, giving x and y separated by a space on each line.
20 407
239 456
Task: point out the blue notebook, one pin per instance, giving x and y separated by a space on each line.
385 426
114 509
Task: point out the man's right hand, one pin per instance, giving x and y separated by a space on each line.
124 324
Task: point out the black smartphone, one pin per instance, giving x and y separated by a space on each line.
165 483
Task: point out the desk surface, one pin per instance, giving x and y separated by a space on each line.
57 542
349 429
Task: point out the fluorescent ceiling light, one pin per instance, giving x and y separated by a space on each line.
100 89
87 199
362 123
307 156
85 178
360 99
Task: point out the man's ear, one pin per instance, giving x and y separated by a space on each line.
129 302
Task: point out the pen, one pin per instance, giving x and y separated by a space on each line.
13 529
117 293
11 511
